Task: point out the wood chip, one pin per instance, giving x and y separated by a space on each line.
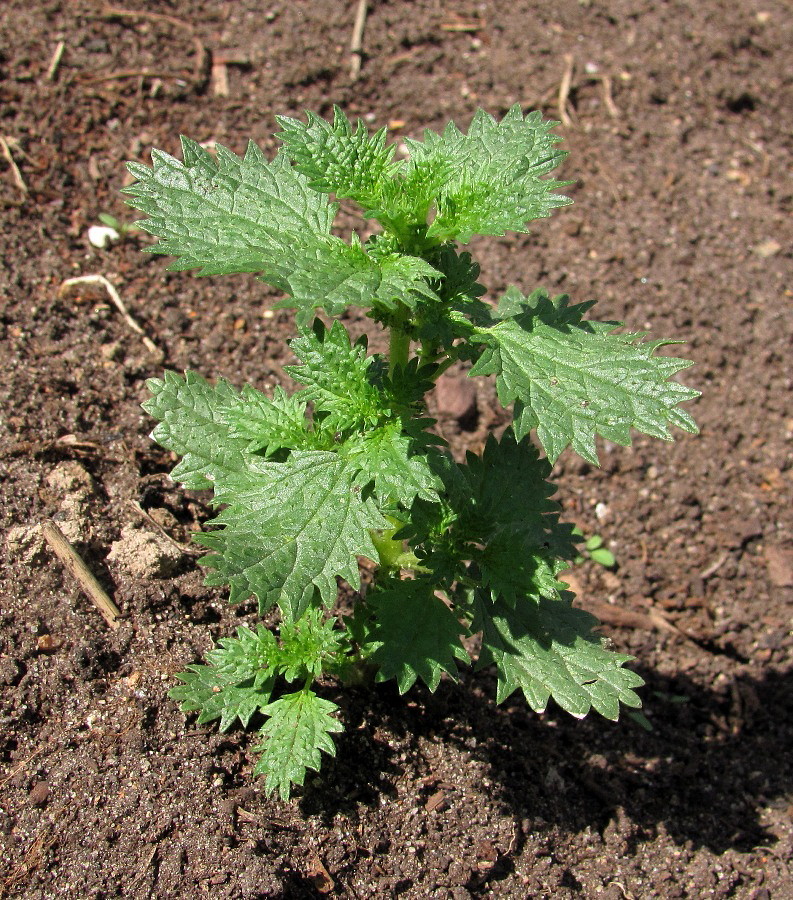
319 875
437 802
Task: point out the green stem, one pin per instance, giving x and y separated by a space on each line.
389 550
399 349
399 343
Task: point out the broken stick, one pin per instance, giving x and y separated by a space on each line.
101 281
66 553
357 40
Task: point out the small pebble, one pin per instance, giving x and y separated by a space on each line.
39 793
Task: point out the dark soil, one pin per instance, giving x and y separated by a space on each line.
681 226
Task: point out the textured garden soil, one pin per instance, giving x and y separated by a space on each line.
681 226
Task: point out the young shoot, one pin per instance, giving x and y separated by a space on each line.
349 469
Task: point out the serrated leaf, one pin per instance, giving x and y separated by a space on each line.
206 691
413 634
192 424
510 514
337 377
309 646
573 381
453 322
496 513
250 655
290 529
268 425
387 459
348 276
238 681
245 214
547 649
233 214
513 567
295 736
496 170
508 489
337 158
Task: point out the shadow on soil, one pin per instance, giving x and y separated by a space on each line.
712 758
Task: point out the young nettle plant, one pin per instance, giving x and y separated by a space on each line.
348 467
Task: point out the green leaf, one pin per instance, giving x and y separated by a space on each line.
386 458
507 489
495 175
206 691
193 425
296 734
338 377
413 634
252 654
405 202
514 567
604 557
238 681
572 380
547 649
337 159
291 528
268 425
309 646
495 512
245 214
234 214
509 514
349 276
452 323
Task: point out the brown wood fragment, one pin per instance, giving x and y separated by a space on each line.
437 802
76 566
319 875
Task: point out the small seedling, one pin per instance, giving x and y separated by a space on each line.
349 469
111 230
594 550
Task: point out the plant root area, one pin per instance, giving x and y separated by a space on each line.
677 117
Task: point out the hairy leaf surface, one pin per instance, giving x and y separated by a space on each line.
547 649
295 736
337 158
245 214
572 379
237 682
291 529
414 634
337 377
193 425
388 459
495 172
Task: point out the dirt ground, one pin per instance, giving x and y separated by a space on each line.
678 123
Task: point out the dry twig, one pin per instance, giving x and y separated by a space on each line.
608 100
101 281
137 73
461 27
564 90
357 39
6 143
52 69
714 567
74 563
